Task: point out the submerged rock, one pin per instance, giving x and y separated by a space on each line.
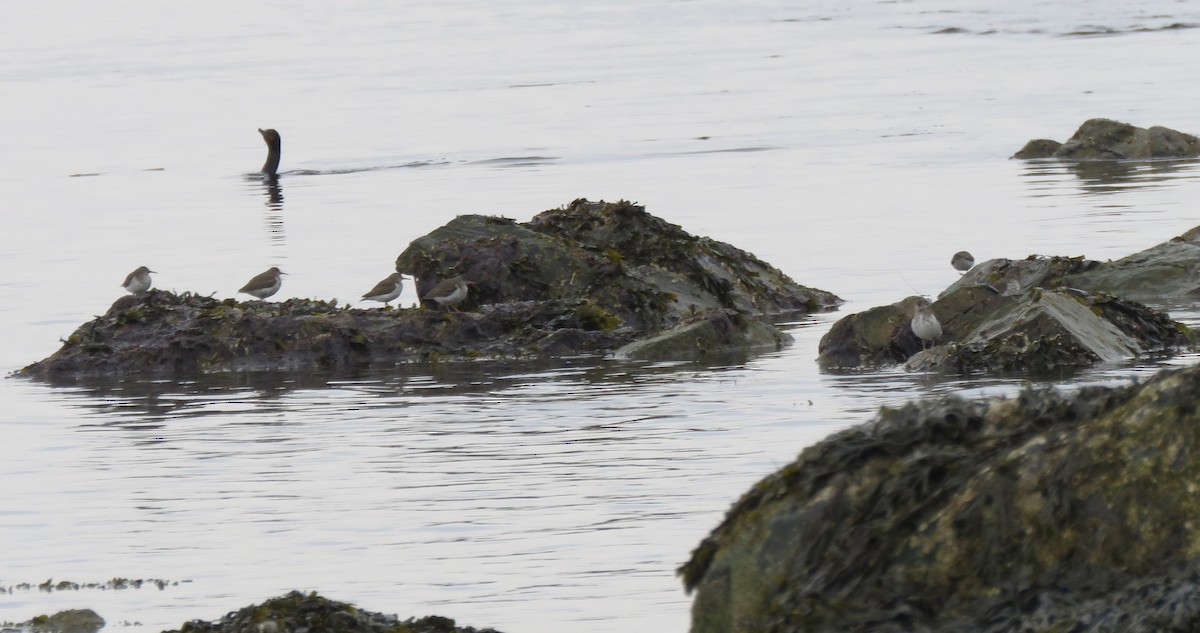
296 612
585 279
1042 513
1100 139
1007 315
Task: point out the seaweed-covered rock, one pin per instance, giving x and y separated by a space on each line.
1100 139
1007 315
1042 513
310 612
165 334
647 272
69 621
585 279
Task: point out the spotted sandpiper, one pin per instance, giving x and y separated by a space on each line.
962 261
264 284
449 292
274 143
925 324
386 290
137 281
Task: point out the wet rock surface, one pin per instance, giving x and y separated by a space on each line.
585 279
1009 316
1046 512
1105 139
1166 273
310 612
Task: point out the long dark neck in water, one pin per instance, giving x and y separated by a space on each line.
271 167
273 141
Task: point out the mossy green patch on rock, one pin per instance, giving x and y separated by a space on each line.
1045 512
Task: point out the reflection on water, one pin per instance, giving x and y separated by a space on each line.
272 190
403 385
1104 177
274 215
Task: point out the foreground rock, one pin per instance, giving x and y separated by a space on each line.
1011 316
587 279
1035 514
1099 139
310 612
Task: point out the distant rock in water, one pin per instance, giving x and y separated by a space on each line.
310 612
1040 513
69 621
589 278
1104 139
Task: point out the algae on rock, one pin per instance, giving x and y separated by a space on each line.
1040 513
310 612
581 280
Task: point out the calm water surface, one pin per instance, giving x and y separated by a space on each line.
854 145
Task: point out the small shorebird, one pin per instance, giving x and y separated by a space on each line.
271 138
264 284
386 290
137 281
962 261
925 324
449 293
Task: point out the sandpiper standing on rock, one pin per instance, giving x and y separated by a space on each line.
962 261
137 281
386 290
925 324
264 284
449 293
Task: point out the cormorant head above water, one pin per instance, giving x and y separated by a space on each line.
271 138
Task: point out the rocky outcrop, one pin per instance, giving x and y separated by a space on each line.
1009 316
647 272
1104 139
68 621
1165 274
310 612
164 334
1040 513
589 278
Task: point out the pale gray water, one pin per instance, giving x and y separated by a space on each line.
854 145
